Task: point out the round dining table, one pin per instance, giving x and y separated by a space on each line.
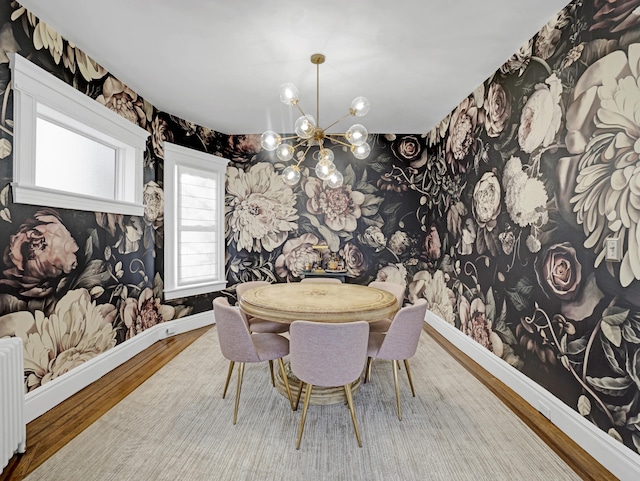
318 301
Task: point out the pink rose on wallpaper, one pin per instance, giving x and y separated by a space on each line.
296 253
355 261
409 148
145 312
41 250
559 271
461 138
432 247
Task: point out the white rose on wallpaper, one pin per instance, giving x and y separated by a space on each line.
395 273
525 197
374 237
77 330
399 242
486 200
433 288
340 208
541 116
603 130
260 209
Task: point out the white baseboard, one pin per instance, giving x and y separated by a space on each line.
613 455
54 392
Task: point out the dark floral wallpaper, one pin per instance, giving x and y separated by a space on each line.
497 217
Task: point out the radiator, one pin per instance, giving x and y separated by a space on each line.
13 433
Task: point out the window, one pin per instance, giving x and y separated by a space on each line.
69 150
194 222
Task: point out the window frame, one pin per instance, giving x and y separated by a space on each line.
39 93
176 156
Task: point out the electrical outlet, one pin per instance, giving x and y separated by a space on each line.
544 410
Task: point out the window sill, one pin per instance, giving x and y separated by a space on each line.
23 194
208 288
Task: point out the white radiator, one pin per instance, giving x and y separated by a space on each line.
13 433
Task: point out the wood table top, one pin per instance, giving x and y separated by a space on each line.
325 302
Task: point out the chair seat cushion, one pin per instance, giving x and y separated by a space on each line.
270 346
380 326
262 325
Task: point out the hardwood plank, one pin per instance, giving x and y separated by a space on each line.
570 452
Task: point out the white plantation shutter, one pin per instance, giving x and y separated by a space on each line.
194 222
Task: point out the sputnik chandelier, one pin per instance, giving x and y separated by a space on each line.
309 134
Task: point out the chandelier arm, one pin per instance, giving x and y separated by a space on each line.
337 121
289 138
304 155
300 109
333 139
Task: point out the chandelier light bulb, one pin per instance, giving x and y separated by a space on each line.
291 175
357 134
285 152
360 106
270 140
325 156
305 126
324 170
289 94
335 179
361 151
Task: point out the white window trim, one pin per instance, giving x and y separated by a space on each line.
175 156
35 87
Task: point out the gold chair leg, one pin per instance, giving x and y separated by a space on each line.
286 382
240 375
298 396
406 365
367 376
347 391
226 384
307 398
273 379
395 380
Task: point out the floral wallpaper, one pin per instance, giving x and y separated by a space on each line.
497 217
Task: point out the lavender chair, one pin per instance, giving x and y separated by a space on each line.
322 280
261 325
399 343
328 354
256 324
239 345
395 289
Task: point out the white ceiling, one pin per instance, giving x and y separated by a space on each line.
220 64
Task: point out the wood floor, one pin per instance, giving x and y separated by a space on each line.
51 431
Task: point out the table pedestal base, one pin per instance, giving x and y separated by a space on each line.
319 394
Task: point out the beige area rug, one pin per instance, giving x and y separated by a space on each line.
176 426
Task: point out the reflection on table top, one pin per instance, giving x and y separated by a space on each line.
330 302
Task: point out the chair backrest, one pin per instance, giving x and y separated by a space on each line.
395 289
233 332
320 279
328 354
401 340
245 286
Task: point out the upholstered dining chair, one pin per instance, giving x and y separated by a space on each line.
261 325
239 345
395 289
322 280
256 324
329 355
400 342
